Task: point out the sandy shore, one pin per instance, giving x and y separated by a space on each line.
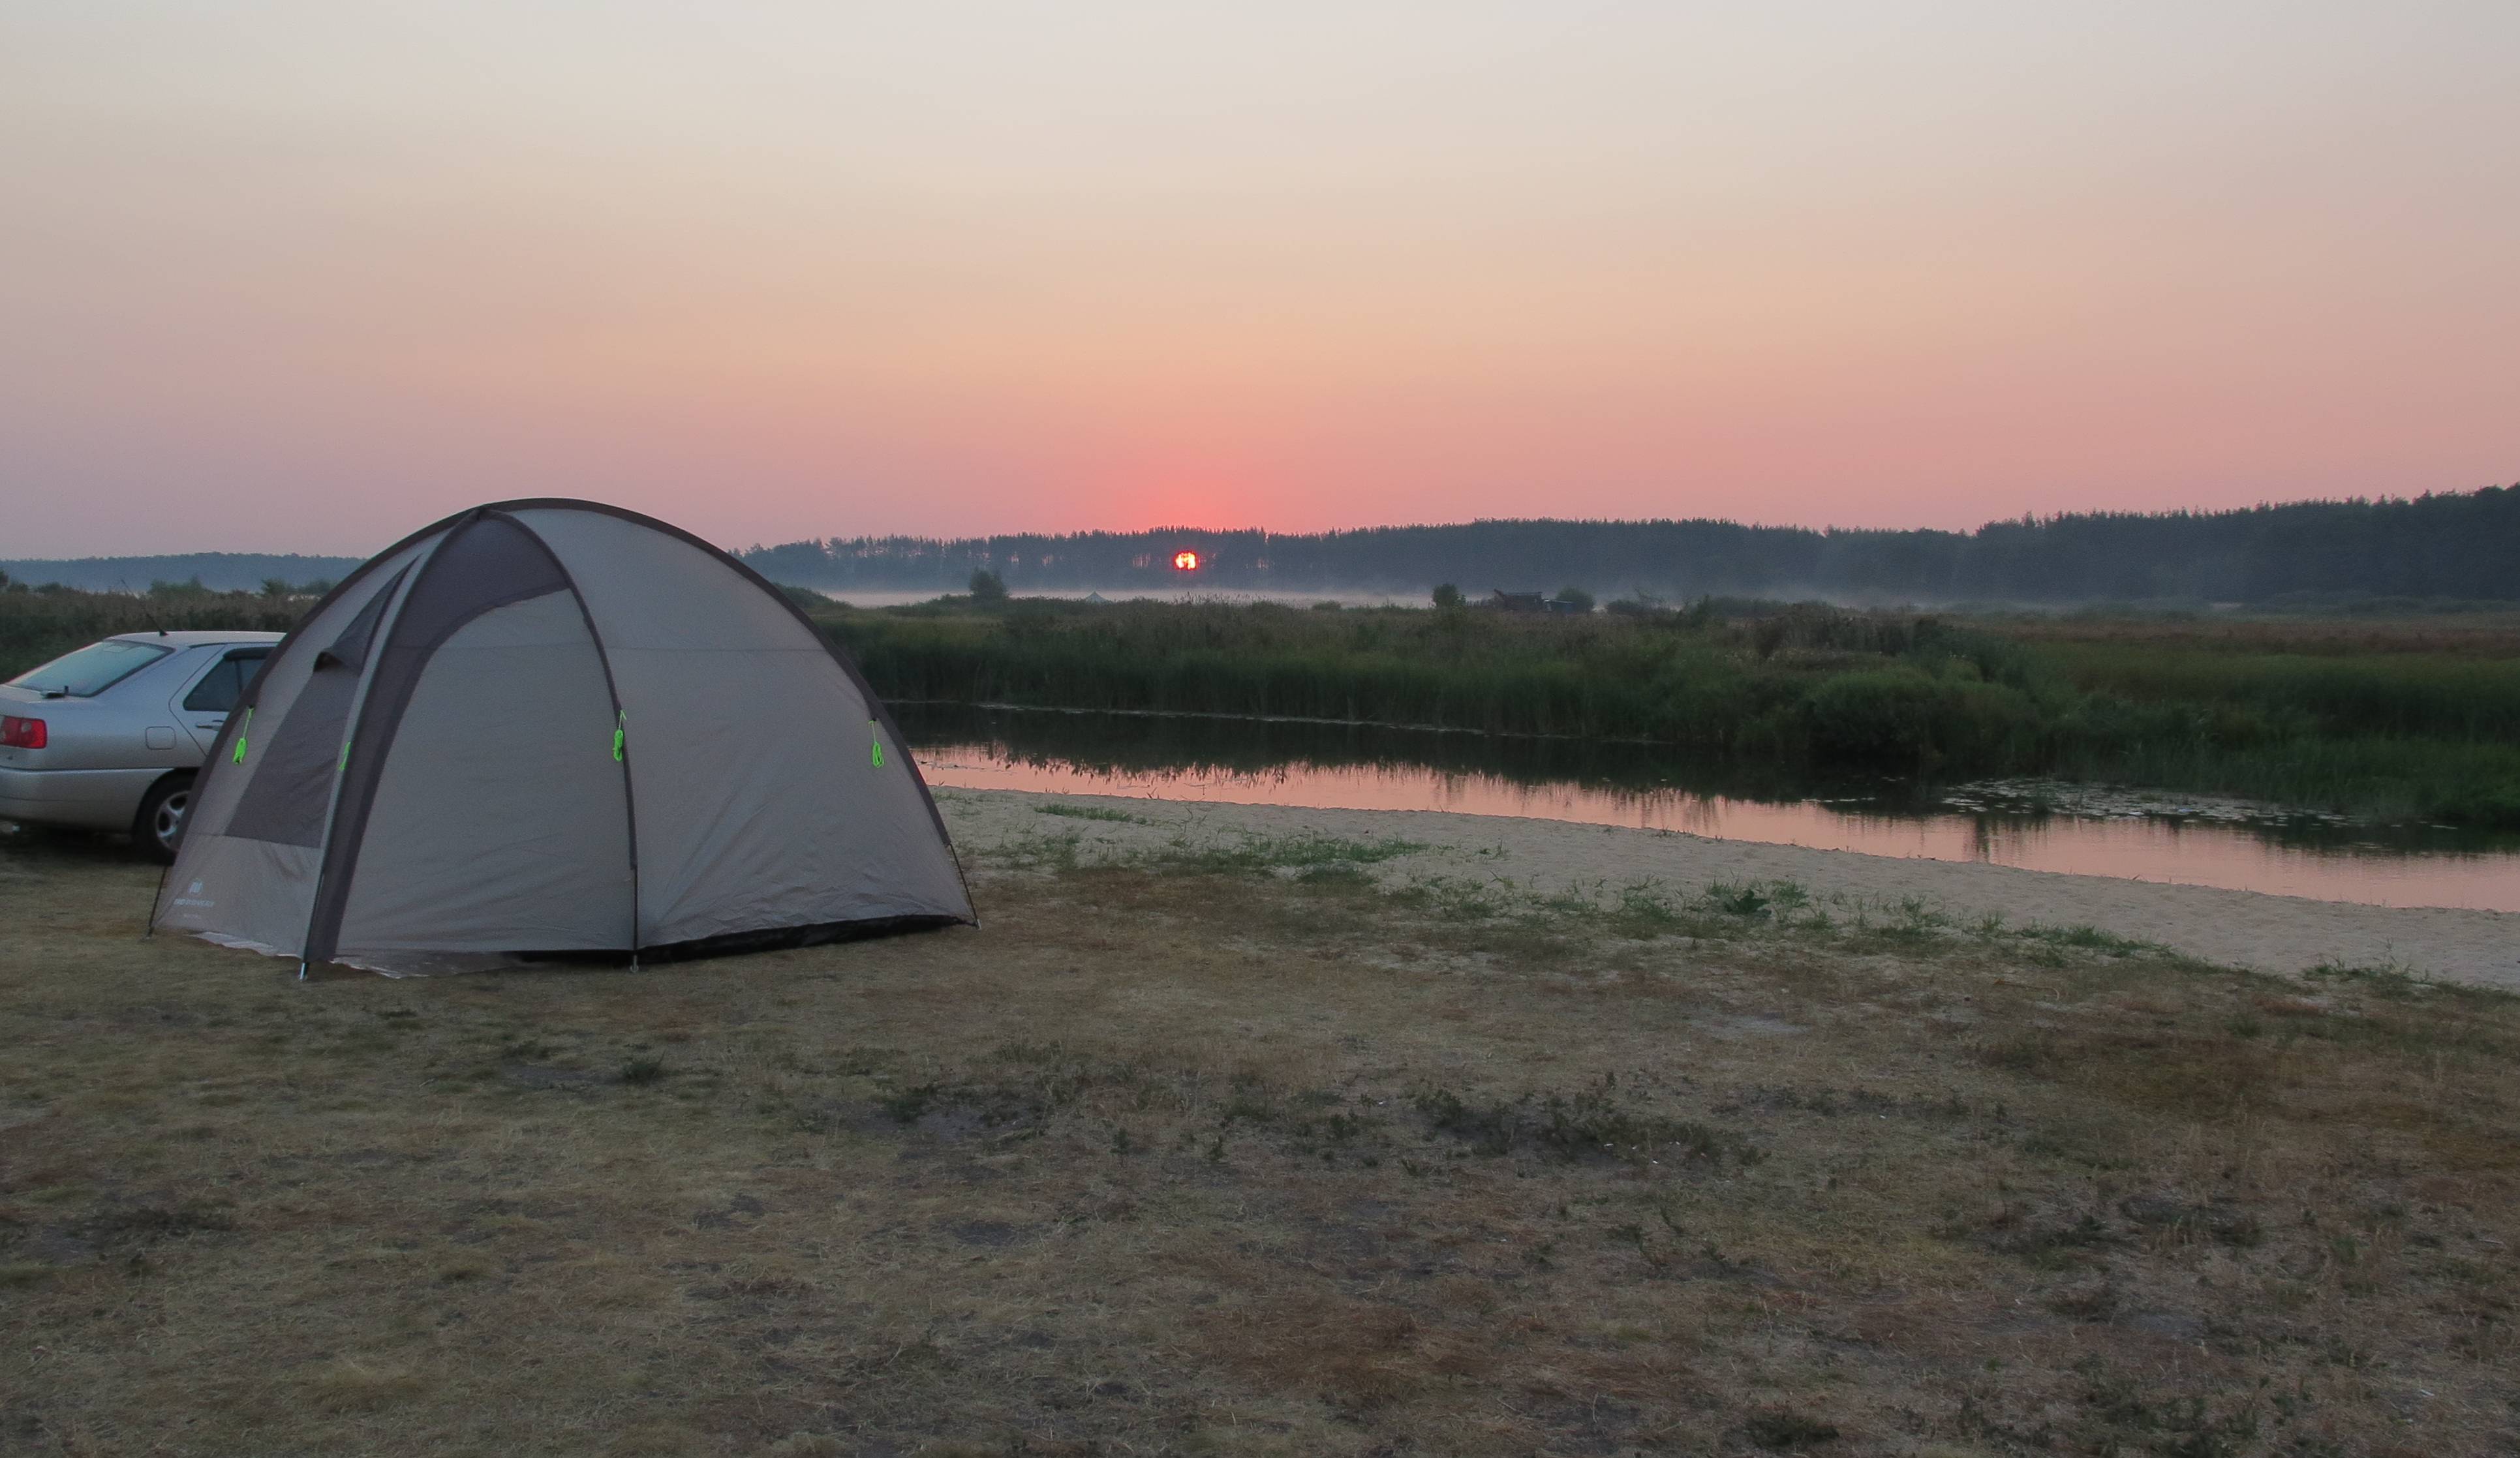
2240 928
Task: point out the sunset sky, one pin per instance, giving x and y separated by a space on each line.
302 275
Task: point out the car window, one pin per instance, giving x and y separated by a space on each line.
91 670
221 687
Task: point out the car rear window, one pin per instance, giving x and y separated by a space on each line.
221 687
91 670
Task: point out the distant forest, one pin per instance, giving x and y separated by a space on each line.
2454 546
2462 546
219 571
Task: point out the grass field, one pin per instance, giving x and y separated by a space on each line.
1242 1153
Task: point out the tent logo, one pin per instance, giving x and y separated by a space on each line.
194 888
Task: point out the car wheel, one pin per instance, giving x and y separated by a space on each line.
159 827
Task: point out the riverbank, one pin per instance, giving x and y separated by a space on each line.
1504 859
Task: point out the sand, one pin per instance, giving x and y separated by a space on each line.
2279 933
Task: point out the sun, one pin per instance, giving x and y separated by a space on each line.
1185 561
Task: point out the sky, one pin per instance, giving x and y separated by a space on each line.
303 276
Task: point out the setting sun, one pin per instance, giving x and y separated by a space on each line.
1186 561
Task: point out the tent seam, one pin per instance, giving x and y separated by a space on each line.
405 583
375 765
252 695
830 650
612 691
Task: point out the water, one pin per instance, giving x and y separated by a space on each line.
2062 828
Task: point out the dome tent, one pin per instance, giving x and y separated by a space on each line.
556 727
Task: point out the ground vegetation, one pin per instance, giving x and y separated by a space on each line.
1232 1147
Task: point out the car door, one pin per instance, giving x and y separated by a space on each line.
204 705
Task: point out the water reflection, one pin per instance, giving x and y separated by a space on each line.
1361 768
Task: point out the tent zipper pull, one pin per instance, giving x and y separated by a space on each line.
243 730
620 732
874 736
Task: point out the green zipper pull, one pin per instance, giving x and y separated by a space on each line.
243 730
874 736
620 732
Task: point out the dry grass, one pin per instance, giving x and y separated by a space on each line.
1218 1157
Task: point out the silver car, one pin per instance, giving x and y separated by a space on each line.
109 738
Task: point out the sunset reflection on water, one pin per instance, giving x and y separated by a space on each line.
2144 849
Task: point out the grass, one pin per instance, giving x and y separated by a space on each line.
1193 1153
2408 724
1086 813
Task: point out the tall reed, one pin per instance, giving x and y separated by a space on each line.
39 625
2422 735
2425 731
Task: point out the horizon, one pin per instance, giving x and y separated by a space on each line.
2042 519
309 278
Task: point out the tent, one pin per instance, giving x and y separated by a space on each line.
555 726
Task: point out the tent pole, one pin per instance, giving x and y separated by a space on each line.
620 722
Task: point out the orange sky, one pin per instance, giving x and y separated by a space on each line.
300 276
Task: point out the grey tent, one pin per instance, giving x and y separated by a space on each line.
554 726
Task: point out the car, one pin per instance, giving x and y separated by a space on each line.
109 738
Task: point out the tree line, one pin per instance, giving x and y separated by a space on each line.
207 571
2461 545
2457 544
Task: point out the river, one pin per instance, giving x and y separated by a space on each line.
2086 830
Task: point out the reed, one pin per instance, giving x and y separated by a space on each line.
2424 734
39 625
2427 693
2422 725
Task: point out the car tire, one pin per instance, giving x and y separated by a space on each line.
158 828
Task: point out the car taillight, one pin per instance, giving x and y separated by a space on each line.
21 733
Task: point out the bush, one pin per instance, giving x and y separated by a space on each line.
1906 719
40 626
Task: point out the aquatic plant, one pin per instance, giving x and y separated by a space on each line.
2424 733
